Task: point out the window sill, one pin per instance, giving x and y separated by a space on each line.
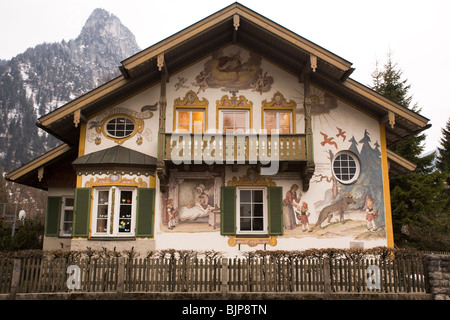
112 238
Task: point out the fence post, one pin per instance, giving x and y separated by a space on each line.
120 277
15 279
327 275
224 277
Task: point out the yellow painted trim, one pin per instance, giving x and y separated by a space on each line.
82 142
79 181
387 193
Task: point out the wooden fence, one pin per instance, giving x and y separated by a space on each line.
314 275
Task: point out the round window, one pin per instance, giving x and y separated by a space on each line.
346 167
120 127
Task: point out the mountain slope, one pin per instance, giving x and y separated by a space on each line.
51 74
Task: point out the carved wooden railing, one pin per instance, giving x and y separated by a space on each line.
234 148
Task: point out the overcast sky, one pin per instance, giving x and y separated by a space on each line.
417 33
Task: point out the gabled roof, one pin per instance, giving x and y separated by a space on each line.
239 25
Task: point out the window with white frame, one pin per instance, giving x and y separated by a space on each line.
252 210
190 120
66 216
278 119
234 121
346 167
114 211
120 127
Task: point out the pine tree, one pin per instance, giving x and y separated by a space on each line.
443 157
419 206
389 83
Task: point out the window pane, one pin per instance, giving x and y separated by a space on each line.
246 195
246 224
183 121
102 211
246 210
258 224
257 195
68 202
197 119
257 210
126 202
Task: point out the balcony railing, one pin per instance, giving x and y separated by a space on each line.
234 148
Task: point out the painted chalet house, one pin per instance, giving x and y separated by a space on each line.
233 134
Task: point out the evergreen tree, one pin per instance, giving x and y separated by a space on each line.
389 83
443 157
419 206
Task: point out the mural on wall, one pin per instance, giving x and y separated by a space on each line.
357 208
323 104
231 72
192 204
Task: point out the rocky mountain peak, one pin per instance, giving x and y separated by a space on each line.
103 28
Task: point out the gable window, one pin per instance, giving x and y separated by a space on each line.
120 127
190 120
278 119
66 216
346 167
114 211
234 121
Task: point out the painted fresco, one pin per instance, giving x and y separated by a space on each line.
192 204
330 210
232 71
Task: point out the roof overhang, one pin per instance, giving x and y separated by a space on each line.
235 24
398 165
37 172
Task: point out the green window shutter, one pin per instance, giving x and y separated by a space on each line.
228 211
275 195
145 212
52 216
82 212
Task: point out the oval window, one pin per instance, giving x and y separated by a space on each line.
120 127
346 167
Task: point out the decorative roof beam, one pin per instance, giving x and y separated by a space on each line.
162 65
236 24
77 117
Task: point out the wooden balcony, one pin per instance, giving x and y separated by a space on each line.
234 149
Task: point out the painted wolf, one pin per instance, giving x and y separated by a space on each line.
339 206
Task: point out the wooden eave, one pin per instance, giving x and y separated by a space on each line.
398 165
28 173
239 25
